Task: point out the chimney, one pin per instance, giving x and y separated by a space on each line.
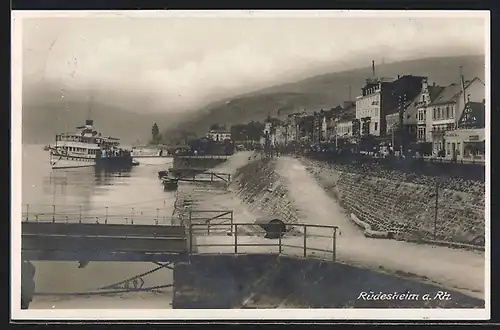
373 68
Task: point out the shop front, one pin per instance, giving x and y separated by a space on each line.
465 144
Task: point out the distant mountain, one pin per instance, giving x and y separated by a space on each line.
45 114
326 91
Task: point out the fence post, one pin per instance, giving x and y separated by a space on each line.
305 241
27 212
106 217
436 209
232 222
132 215
53 213
80 221
157 215
235 239
208 227
334 244
36 218
279 242
190 238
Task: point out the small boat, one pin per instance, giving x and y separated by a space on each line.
162 174
170 184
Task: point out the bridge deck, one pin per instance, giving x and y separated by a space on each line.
42 238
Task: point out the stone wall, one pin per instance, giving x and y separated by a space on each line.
406 209
270 281
260 187
198 161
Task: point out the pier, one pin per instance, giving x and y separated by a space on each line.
195 175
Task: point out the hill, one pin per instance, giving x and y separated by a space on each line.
45 114
325 91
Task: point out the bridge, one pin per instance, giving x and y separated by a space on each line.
70 236
141 235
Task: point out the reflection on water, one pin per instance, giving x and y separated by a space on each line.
134 195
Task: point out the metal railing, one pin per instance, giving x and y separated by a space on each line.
222 215
80 214
286 239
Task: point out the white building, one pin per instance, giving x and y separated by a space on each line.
443 114
369 106
219 135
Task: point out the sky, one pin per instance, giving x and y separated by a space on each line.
183 63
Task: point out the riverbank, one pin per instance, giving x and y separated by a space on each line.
282 188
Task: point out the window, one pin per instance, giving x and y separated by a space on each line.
376 126
434 113
421 133
452 110
448 148
458 148
447 112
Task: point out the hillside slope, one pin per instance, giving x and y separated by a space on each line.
326 91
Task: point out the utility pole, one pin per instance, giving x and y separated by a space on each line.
436 209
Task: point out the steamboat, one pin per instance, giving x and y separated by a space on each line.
87 147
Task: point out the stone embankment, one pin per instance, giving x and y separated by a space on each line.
392 207
270 281
256 192
259 189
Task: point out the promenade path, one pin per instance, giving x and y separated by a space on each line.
458 269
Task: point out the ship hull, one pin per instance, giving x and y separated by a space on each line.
61 161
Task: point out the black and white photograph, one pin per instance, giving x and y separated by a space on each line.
184 165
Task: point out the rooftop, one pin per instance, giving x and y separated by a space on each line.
472 116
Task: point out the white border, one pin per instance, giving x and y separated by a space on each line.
234 314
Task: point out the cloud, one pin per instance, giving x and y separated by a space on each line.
180 64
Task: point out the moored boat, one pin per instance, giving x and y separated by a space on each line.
170 184
88 147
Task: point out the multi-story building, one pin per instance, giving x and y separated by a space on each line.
467 142
369 106
428 95
219 135
293 125
444 112
405 94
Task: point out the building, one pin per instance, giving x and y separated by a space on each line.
345 126
406 91
467 142
219 135
428 95
444 113
274 132
293 121
371 105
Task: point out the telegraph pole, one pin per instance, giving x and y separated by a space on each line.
436 209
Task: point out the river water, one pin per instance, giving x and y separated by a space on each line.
134 196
